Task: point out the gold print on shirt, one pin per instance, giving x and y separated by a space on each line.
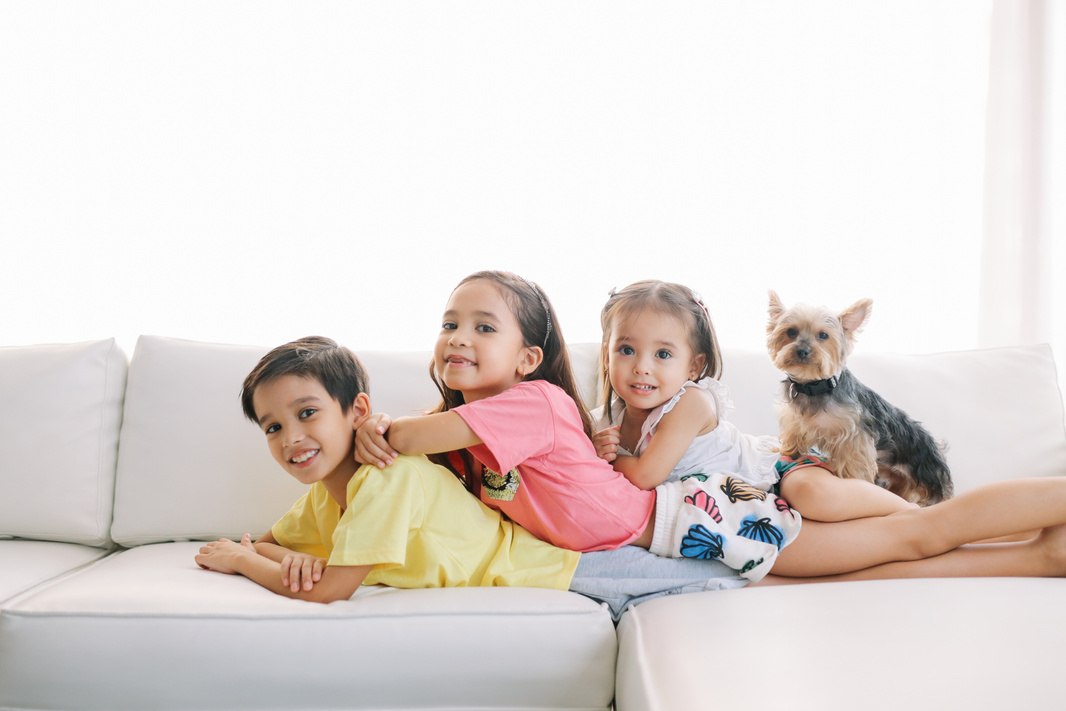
501 488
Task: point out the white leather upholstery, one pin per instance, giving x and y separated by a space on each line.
999 410
28 564
988 643
145 628
190 466
59 426
935 644
148 629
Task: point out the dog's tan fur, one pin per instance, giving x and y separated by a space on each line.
836 432
809 344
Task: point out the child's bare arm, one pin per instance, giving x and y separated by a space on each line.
691 416
381 439
297 569
267 545
430 434
226 556
820 495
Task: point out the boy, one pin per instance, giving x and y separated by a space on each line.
413 525
369 526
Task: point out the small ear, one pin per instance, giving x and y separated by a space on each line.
776 309
698 364
855 316
531 360
360 409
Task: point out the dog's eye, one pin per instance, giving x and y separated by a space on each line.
823 336
792 332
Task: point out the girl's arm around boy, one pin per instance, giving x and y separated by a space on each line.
381 439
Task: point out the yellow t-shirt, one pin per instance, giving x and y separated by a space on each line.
419 528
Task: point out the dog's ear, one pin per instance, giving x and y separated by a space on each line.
776 309
853 318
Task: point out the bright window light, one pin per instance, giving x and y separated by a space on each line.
254 172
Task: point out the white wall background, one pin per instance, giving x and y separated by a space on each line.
251 172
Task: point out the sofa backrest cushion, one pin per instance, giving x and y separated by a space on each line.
998 410
191 467
59 429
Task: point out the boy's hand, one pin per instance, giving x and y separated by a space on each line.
371 447
301 570
606 442
222 555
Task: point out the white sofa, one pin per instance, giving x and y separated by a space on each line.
113 468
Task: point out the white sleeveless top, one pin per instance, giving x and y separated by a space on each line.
723 449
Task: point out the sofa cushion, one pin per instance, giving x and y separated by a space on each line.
976 643
27 564
59 431
148 621
999 410
191 467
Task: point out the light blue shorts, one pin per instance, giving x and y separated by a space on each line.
632 575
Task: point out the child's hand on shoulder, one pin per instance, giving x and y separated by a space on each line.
371 446
221 556
606 442
301 570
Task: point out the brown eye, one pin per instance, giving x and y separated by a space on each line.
792 332
823 336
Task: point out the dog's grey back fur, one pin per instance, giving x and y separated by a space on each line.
902 443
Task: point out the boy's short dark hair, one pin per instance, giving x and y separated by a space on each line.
335 367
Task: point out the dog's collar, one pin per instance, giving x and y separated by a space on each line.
816 387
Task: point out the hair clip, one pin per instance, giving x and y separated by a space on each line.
699 302
544 303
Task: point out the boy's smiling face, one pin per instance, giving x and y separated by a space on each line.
307 431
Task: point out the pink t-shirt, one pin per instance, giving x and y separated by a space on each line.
543 472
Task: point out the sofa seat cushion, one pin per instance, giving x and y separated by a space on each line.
172 636
975 643
27 564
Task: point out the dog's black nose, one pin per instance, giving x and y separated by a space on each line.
803 352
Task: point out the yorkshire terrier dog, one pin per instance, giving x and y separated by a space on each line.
827 409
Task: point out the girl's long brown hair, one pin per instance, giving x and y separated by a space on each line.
534 312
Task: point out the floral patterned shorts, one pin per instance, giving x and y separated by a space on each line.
718 516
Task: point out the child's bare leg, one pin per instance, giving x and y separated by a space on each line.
833 548
820 495
1000 509
1042 556
1013 538
1004 510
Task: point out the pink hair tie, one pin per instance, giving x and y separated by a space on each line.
699 302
